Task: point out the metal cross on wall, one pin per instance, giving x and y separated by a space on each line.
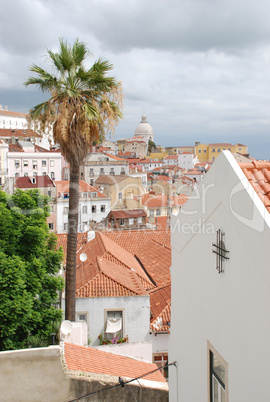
220 251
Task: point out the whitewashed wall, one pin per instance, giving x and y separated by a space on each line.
230 310
136 315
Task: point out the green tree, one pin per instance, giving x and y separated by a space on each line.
29 264
84 104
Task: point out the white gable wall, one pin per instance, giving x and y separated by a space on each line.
230 310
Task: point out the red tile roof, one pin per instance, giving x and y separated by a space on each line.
110 179
160 305
101 247
258 174
171 157
63 187
62 241
90 360
156 259
25 133
133 240
128 213
8 113
40 182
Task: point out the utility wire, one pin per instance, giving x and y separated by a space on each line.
122 382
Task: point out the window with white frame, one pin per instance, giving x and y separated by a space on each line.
84 209
112 171
101 170
122 222
52 163
52 175
151 212
131 221
51 226
102 208
91 172
139 219
158 212
114 323
25 162
34 162
94 209
218 376
120 196
17 174
94 195
43 163
17 163
65 227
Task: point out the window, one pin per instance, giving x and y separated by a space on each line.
218 150
140 220
120 196
52 162
34 164
94 195
213 150
200 151
94 209
65 227
151 212
114 323
51 225
25 174
218 376
25 162
112 221
158 212
84 209
204 151
112 171
44 173
102 208
91 172
52 175
17 174
131 221
101 170
122 170
16 163
65 210
121 222
43 163
49 193
161 359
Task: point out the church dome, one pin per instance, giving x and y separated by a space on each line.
144 129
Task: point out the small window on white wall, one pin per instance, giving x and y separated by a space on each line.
114 323
218 376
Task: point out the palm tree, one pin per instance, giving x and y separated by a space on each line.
84 104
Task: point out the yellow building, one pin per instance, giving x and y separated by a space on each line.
209 152
178 150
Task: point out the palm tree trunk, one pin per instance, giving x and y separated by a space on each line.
70 300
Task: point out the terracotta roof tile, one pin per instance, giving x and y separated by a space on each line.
156 259
258 175
25 133
160 305
40 182
128 213
90 360
103 247
63 187
133 240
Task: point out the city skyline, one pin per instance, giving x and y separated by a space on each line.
199 70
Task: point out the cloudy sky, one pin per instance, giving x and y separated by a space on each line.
199 69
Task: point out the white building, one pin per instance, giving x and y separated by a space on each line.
220 326
97 164
93 206
144 130
187 160
28 159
